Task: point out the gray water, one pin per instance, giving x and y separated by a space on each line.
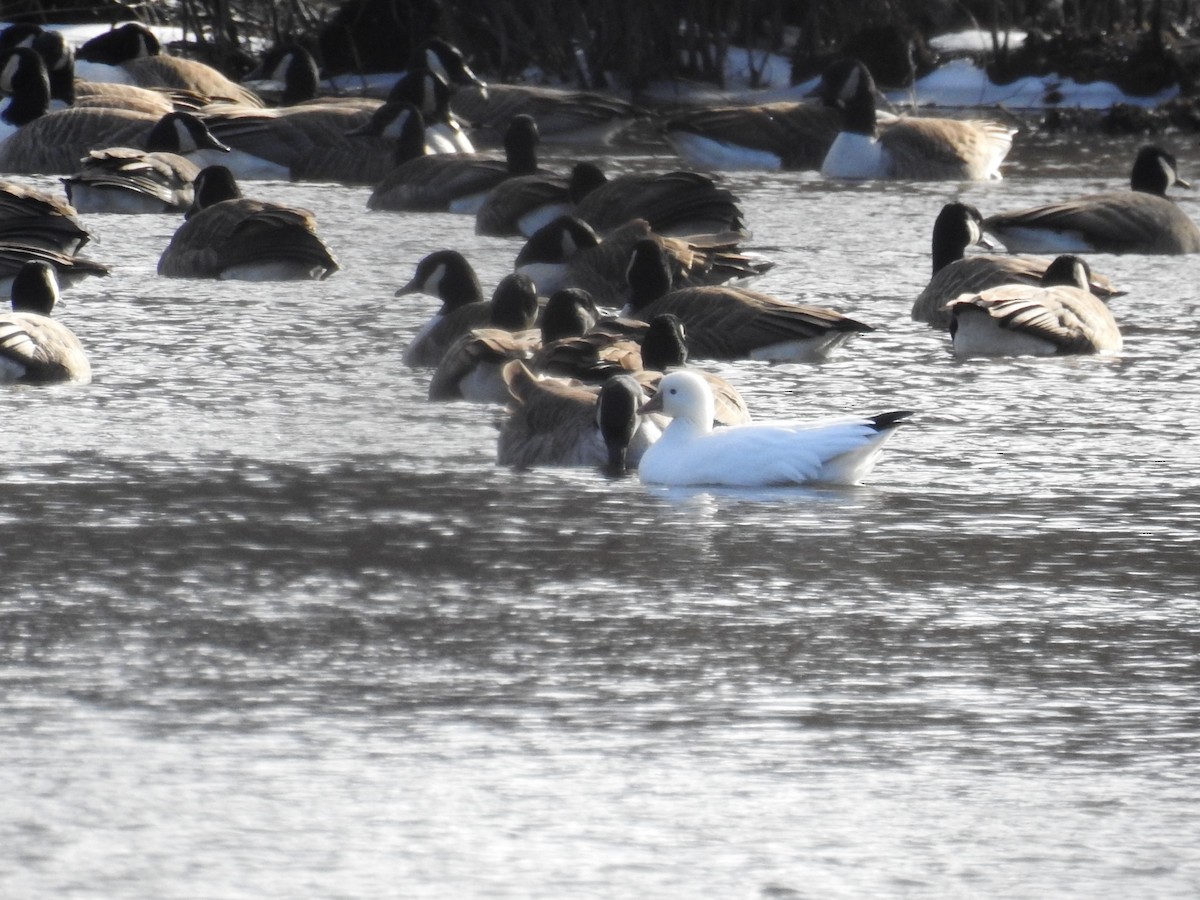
276 626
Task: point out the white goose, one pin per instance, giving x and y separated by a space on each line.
692 452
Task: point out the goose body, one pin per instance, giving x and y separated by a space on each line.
229 237
958 226
155 180
770 136
1141 220
909 148
563 116
1061 317
691 452
569 253
34 347
447 275
69 270
677 204
37 218
551 422
729 322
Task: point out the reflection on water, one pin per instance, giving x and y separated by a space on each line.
278 626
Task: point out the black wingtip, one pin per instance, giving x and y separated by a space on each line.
888 420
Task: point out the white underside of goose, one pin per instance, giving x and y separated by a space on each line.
814 349
242 165
443 138
485 384
761 455
979 334
1045 241
88 198
855 157
93 71
271 270
549 277
543 215
468 204
708 153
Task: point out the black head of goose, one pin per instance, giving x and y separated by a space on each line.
470 368
230 237
155 180
552 422
32 216
727 322
287 74
457 182
450 277
1058 318
1142 220
133 54
957 227
447 61
909 148
429 92
34 347
569 253
664 349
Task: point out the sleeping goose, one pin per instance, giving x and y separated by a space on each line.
563 116
691 452
773 136
132 54
155 180
551 422
1140 220
676 204
34 347
470 368
69 270
958 226
40 219
728 322
569 253
910 148
227 236
36 140
446 182
1061 317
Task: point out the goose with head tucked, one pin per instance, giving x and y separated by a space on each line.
1141 220
1059 318
446 182
910 148
231 237
470 368
569 253
158 179
69 269
35 348
676 204
37 218
552 422
691 452
729 322
957 227
132 54
564 116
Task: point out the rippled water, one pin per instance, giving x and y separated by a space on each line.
276 626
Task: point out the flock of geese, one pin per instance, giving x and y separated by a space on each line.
621 279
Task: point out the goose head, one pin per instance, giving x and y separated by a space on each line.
957 227
557 241
514 303
400 123
648 273
447 275
847 85
24 78
290 69
685 397
1154 171
447 60
426 90
569 312
183 133
520 145
664 345
35 288
617 419
212 185
133 40
1068 269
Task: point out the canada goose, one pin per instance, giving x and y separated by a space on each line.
569 253
447 275
448 182
470 368
555 423
726 322
446 60
132 54
676 203
32 216
227 236
1141 220
563 116
38 141
155 180
68 91
34 347
430 94
1062 317
759 454
774 136
958 226
69 270
910 148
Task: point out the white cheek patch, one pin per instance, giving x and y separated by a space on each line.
850 87
395 128
434 281
10 71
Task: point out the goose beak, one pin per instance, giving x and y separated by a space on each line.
1183 184
654 404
